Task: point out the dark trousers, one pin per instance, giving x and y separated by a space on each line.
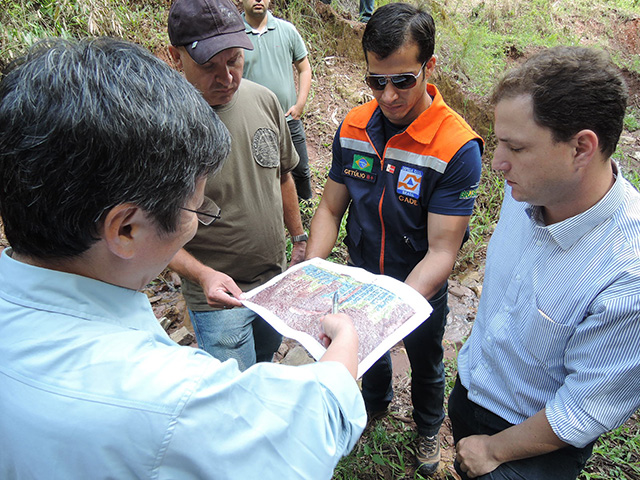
365 10
425 352
468 418
302 172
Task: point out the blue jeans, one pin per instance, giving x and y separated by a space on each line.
236 333
302 173
425 352
366 10
469 418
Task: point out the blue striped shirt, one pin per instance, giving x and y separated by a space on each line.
558 323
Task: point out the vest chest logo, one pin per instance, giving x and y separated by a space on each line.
409 182
362 163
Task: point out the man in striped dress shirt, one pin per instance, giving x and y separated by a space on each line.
553 360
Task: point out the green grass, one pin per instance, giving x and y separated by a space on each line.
617 454
23 23
632 120
386 450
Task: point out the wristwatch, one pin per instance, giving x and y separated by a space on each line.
300 238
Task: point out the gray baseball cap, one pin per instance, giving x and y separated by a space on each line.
206 27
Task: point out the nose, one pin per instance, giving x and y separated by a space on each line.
499 162
223 76
389 94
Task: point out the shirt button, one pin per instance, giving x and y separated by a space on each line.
538 243
518 278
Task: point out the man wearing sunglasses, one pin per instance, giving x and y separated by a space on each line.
407 167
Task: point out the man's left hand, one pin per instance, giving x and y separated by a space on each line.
295 112
298 252
474 455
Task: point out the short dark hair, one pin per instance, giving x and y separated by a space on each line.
393 25
88 125
572 89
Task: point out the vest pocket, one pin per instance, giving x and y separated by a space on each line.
416 244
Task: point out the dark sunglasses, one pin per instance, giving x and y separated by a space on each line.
402 81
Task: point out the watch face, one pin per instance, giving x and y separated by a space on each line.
300 238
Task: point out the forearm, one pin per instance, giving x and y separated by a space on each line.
291 208
323 234
428 276
531 438
219 289
481 454
445 234
187 266
304 87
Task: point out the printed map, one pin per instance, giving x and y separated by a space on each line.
383 309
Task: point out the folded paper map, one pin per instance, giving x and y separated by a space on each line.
383 309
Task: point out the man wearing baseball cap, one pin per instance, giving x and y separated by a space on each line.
255 190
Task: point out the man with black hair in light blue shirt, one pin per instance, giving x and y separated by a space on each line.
553 360
103 175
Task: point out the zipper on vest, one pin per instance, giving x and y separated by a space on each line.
384 188
383 232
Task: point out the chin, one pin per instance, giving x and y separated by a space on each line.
394 116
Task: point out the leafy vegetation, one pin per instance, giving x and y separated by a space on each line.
476 41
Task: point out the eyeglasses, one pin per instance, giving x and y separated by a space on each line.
402 81
208 212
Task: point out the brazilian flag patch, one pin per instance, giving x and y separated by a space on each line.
468 194
362 163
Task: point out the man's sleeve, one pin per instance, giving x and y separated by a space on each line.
457 189
299 50
602 359
272 421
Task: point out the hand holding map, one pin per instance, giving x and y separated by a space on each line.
383 309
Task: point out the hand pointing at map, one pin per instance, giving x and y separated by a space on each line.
340 338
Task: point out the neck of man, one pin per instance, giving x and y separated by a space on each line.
595 184
257 22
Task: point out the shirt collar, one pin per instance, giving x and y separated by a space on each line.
75 295
271 24
424 128
567 232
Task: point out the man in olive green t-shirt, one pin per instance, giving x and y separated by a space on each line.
254 190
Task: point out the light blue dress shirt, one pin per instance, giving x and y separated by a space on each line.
558 325
92 387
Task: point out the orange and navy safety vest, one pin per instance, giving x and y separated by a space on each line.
432 166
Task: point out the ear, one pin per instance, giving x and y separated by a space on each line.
586 146
176 57
121 227
430 66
